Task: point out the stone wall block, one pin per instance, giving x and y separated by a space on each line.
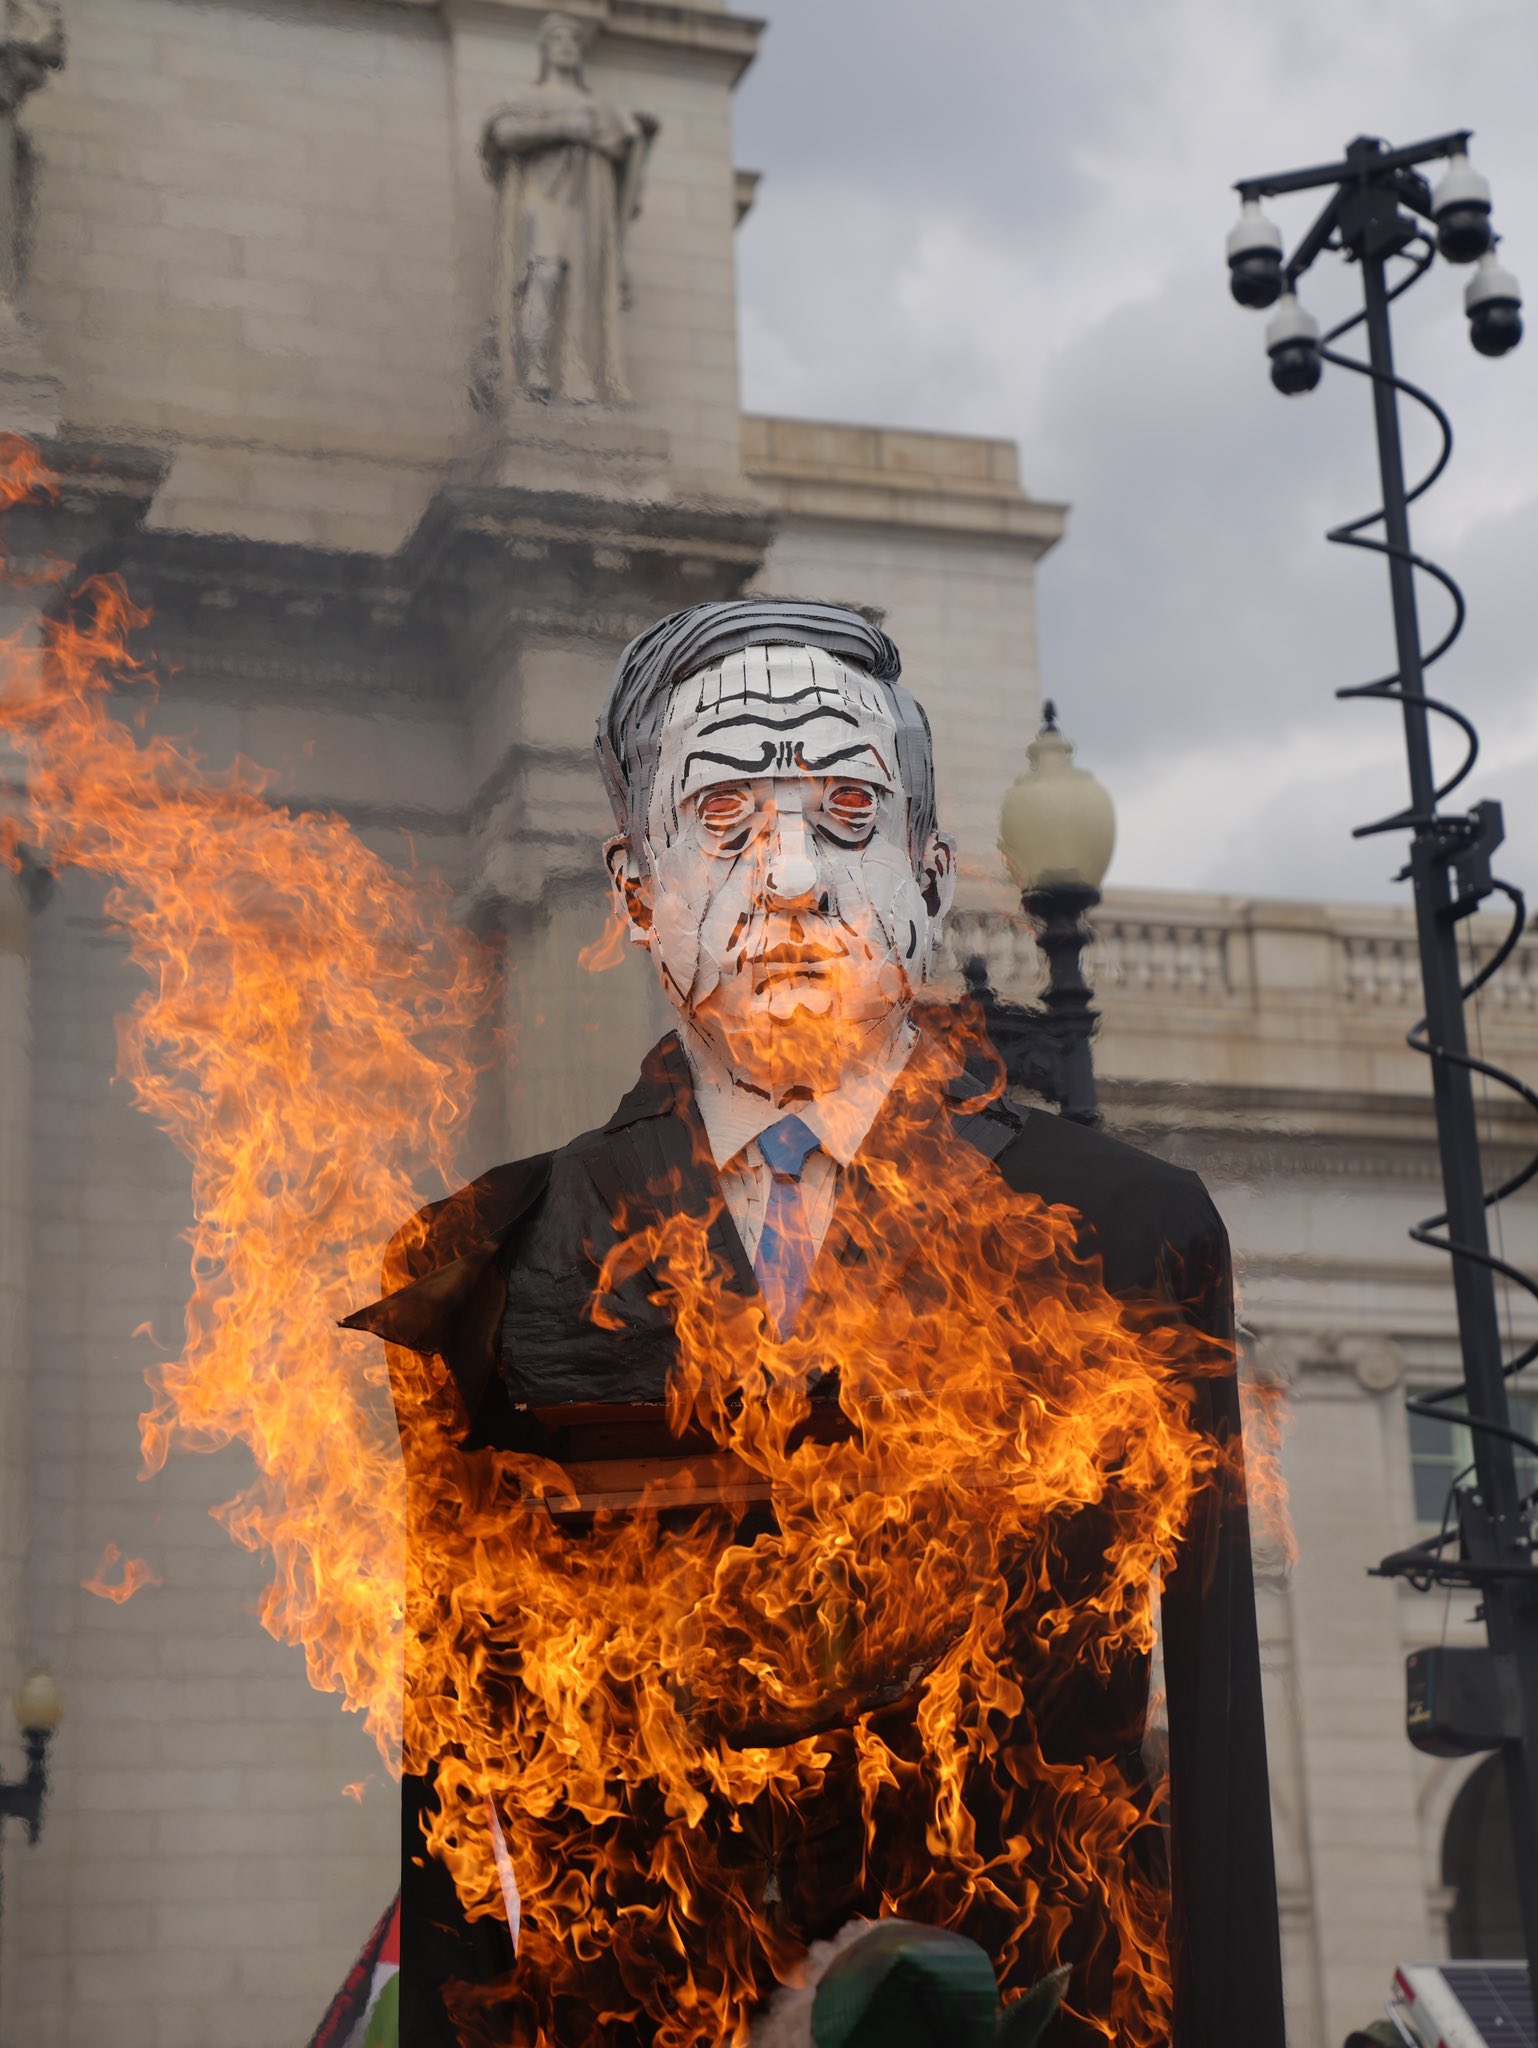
256 75
358 270
227 214
216 249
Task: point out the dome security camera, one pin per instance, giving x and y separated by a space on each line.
1493 301
1292 343
1255 258
1460 207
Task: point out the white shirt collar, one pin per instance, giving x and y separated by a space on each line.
733 1116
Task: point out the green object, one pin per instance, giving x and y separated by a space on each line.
1022 2024
384 2022
1376 2031
906 1986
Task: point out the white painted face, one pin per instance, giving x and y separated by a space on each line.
777 890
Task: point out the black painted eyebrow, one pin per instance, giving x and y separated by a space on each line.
747 768
841 754
780 724
780 753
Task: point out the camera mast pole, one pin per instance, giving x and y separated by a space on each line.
1377 199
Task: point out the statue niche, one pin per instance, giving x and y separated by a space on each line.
568 169
31 45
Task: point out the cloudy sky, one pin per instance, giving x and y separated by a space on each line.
1009 218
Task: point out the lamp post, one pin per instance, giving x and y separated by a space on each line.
39 1710
1056 832
1379 209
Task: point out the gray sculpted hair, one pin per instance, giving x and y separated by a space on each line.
629 730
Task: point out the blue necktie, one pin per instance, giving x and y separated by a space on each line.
783 1265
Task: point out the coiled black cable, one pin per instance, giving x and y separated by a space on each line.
1433 1230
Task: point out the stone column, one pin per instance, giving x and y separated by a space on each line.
101 496
18 619
15 1433
1359 1772
16 1506
31 45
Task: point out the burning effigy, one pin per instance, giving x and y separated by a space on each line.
803 1465
799 1470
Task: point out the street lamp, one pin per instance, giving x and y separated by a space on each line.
1379 209
1056 832
39 1710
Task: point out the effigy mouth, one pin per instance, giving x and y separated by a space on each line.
795 961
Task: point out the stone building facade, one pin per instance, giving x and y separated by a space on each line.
1263 1043
258 279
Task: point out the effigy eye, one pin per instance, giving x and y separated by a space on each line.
853 802
721 809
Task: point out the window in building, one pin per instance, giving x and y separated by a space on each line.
1478 1869
1441 1448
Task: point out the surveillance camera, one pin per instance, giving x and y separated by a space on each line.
1292 343
1460 206
1255 258
1493 302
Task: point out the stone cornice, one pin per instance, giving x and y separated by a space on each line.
877 501
1233 1107
295 616
1259 1135
891 477
103 492
1265 1160
732 38
591 554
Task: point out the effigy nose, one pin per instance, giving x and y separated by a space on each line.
790 866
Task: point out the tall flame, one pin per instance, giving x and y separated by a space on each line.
643 1708
305 1043
654 1706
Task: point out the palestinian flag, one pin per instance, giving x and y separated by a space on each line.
364 2013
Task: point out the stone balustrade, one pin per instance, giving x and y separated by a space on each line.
1153 947
1383 968
1258 993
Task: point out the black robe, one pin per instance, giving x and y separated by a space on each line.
502 1277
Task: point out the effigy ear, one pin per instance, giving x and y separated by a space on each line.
1022 2024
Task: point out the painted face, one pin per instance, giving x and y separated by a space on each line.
778 893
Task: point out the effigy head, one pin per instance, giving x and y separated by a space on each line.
777 851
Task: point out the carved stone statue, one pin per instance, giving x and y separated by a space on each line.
568 168
31 45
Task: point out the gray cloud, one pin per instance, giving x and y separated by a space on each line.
1010 220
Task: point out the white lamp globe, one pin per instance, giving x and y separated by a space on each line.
1057 826
39 1705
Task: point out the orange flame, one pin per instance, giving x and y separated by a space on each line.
640 1709
640 1698
136 1574
608 950
23 472
1267 1414
304 1043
